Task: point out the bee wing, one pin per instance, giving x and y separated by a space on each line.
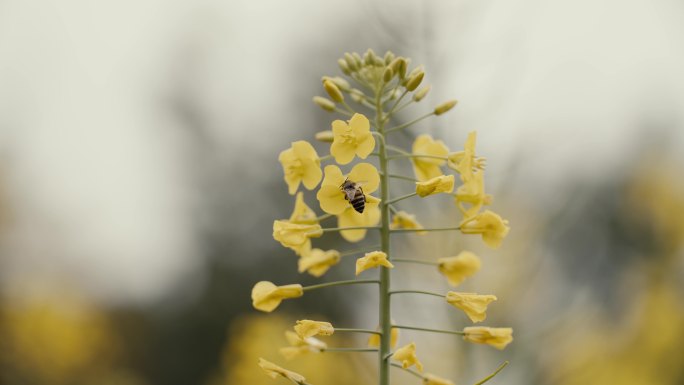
350 194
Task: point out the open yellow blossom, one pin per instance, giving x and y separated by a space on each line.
490 225
472 192
302 213
465 161
474 305
407 356
266 296
296 236
458 268
371 260
496 337
299 346
374 339
427 168
301 164
436 185
332 198
351 138
351 218
307 328
404 220
317 262
431 379
274 371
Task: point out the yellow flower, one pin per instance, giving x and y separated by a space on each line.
465 161
371 260
490 225
460 267
307 328
472 192
351 218
266 296
496 337
332 198
374 339
404 220
301 164
431 379
274 371
427 168
436 185
474 305
296 236
302 213
407 356
299 346
317 262
353 138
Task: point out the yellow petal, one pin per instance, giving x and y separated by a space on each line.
458 268
440 184
359 124
308 328
296 236
367 175
496 337
431 379
273 371
343 151
474 305
371 260
350 218
266 296
407 356
332 200
317 262
302 213
374 339
404 220
490 225
366 145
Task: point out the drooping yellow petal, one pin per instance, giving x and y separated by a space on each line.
431 379
425 167
352 138
374 339
496 337
472 192
296 236
404 220
407 356
464 162
474 305
266 296
302 214
299 346
436 185
273 371
300 165
490 225
308 328
330 197
350 218
317 262
371 260
458 268
367 175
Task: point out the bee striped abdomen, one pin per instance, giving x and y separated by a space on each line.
359 201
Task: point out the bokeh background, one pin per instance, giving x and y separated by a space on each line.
139 181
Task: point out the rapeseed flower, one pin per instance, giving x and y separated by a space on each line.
273 371
474 305
266 296
496 337
490 225
472 192
296 236
351 138
301 164
436 185
300 346
308 328
458 268
428 167
317 262
404 220
464 162
407 356
371 260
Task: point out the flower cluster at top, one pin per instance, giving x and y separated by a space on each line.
358 196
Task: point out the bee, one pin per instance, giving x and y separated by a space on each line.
354 194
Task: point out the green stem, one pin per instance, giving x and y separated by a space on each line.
414 292
489 377
410 370
343 112
398 149
349 350
417 230
339 283
391 110
384 306
418 261
414 121
323 158
401 198
460 333
350 330
322 217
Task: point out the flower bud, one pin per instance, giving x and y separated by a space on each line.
351 62
444 107
388 75
325 136
357 95
414 81
398 65
369 57
421 93
324 103
357 59
342 84
333 91
389 56
344 66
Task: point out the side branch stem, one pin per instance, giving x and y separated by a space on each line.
460 333
416 292
414 121
489 377
339 283
417 261
350 330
